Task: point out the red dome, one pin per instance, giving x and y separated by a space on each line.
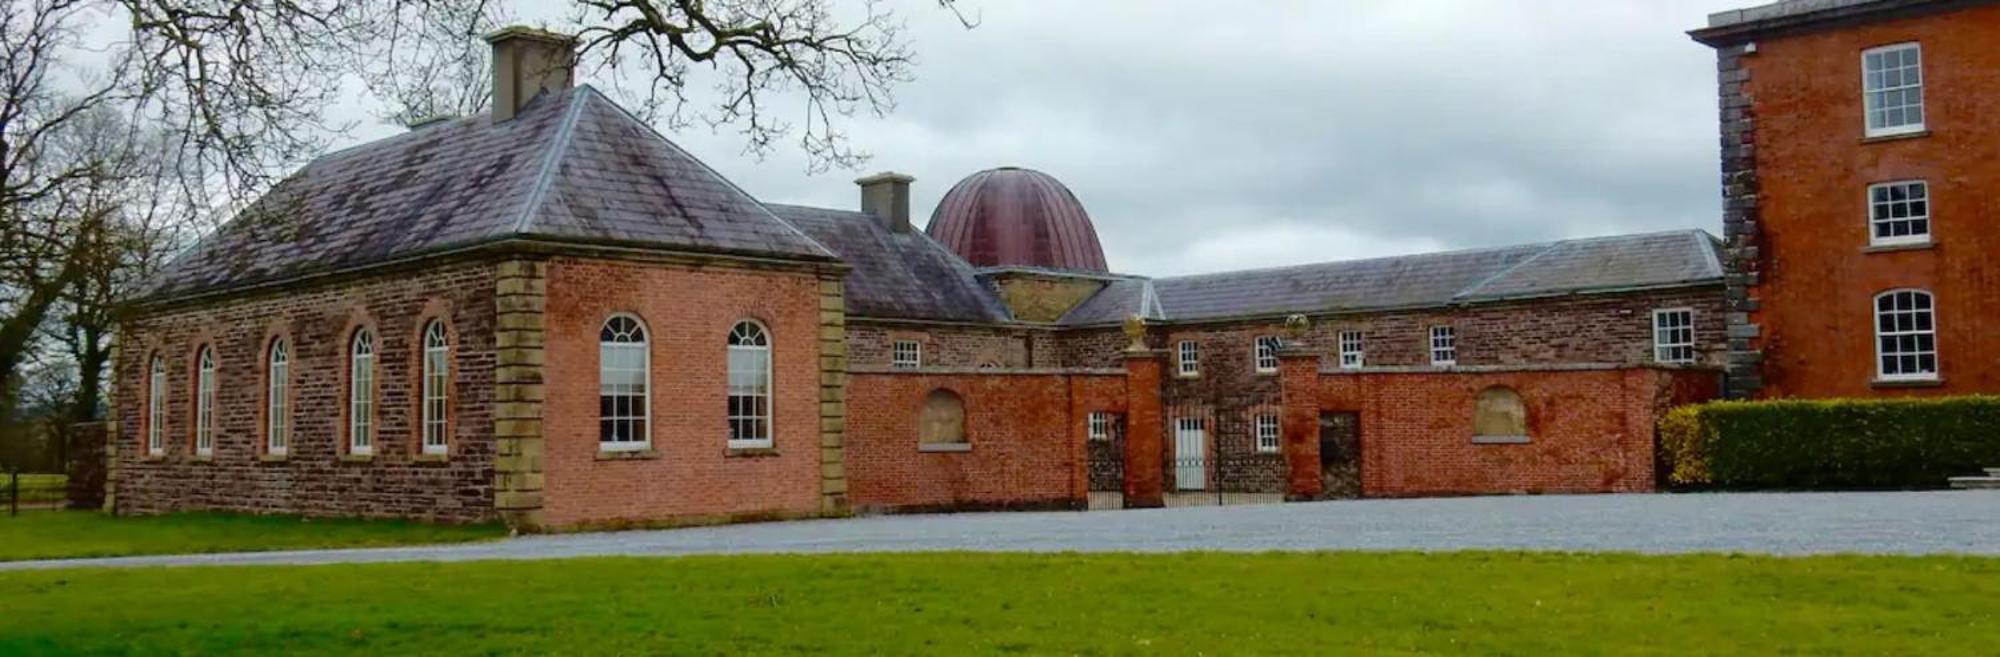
1010 216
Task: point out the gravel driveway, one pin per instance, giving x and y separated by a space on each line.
1929 522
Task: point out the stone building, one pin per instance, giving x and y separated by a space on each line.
553 316
1858 186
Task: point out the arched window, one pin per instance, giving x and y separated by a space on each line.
436 378
1905 336
204 402
942 424
156 407
1500 416
361 393
749 385
623 370
278 381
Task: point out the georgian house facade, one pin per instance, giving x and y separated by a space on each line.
553 316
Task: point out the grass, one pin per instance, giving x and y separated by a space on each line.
1113 604
38 488
68 534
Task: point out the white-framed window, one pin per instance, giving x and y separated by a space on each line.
1266 425
906 354
1673 335
1265 352
156 408
277 383
1905 336
1899 213
361 393
1444 346
1188 358
1099 425
436 383
1351 354
749 385
1892 89
624 367
204 402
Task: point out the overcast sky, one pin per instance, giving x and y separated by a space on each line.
1276 133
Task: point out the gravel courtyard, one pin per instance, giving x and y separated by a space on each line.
1928 522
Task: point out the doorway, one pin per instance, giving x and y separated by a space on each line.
1340 455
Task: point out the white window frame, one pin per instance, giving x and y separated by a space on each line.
156 407
1353 354
436 403
361 392
1266 429
906 354
1916 333
1916 196
1444 346
1097 425
641 423
1187 358
1871 87
1666 348
751 354
277 421
1264 353
204 402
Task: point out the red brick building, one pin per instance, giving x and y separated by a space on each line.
1859 207
551 315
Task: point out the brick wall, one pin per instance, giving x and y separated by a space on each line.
689 473
312 479
1590 430
1026 432
1799 167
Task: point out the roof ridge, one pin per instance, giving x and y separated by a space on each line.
1706 244
823 249
546 175
1323 263
1470 289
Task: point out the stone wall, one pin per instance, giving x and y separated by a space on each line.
87 453
869 343
316 476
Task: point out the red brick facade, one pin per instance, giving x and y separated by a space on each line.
313 477
1801 167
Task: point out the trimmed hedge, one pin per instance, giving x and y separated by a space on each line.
1830 444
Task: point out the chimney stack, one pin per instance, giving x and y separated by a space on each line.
887 196
526 62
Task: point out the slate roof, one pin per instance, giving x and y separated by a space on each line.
572 166
904 275
1430 279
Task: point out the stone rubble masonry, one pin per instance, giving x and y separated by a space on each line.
316 477
1796 166
689 473
520 297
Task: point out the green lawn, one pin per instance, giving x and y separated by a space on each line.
38 488
948 604
65 534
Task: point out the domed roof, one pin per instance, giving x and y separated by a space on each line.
1013 216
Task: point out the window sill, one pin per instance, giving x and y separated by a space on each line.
750 452
431 458
945 448
1267 372
1907 383
1184 375
627 455
357 458
1500 440
1895 136
154 457
1892 248
272 458
202 458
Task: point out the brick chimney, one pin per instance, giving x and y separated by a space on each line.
526 62
887 196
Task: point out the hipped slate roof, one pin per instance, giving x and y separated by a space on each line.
569 167
1431 279
899 275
